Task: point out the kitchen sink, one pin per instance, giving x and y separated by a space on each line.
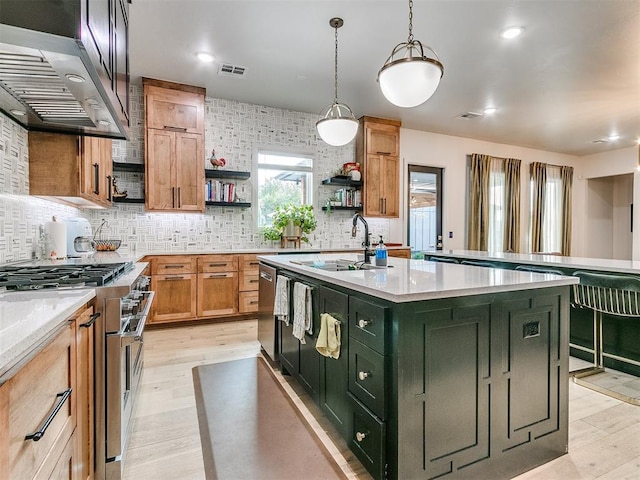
338 265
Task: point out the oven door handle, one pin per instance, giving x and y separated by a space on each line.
131 337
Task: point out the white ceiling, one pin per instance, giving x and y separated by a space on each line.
571 78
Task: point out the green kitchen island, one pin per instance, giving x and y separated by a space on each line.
444 370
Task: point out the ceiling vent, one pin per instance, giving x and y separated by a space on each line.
601 140
470 115
228 70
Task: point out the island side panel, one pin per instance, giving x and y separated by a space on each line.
465 406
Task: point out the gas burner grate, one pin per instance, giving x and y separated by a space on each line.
60 276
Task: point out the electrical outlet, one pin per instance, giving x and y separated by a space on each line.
450 234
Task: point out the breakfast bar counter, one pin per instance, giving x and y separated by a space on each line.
442 370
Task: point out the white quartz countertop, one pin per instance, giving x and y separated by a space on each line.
27 318
596 264
413 280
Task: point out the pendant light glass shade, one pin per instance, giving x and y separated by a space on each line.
408 78
337 125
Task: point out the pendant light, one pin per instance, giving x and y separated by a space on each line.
337 125
408 78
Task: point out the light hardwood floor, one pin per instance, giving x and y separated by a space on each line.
604 434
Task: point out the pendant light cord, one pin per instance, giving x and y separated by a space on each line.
410 39
335 92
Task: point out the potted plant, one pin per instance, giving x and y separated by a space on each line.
291 220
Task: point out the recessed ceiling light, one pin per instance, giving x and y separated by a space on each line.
75 78
490 110
511 32
613 137
19 113
205 57
104 123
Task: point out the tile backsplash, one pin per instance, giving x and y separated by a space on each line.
20 214
236 131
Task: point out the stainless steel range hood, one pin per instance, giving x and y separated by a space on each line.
48 83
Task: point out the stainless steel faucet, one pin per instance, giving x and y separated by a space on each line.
367 252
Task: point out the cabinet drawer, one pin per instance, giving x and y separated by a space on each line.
366 377
367 324
172 264
32 396
368 439
248 302
248 281
248 263
217 263
174 110
383 139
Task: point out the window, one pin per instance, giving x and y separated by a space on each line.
283 178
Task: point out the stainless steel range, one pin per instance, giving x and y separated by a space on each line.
123 301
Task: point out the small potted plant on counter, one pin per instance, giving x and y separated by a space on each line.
291 220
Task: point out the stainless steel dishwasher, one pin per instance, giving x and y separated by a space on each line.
266 321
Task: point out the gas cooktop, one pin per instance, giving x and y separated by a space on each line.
16 277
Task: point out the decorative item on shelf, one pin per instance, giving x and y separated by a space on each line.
333 201
291 222
217 162
352 169
408 77
116 193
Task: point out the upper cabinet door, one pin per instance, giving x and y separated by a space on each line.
98 25
383 139
121 60
189 172
160 192
174 110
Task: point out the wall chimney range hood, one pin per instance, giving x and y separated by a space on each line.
50 79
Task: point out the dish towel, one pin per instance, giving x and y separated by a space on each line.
281 301
328 343
302 314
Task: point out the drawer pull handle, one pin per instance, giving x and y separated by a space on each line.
173 266
364 323
219 264
253 280
40 433
360 436
254 263
253 302
92 320
174 278
364 375
218 275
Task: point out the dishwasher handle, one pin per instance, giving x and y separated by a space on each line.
267 276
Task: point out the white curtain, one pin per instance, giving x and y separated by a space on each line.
497 205
552 216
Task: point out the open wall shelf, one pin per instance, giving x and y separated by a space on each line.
128 167
229 204
213 173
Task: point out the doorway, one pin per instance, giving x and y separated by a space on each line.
424 204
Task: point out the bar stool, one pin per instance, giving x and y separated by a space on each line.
534 269
477 263
615 295
443 259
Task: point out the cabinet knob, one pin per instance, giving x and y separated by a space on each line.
363 323
364 375
360 436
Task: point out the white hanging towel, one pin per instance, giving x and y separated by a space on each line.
328 343
281 301
302 314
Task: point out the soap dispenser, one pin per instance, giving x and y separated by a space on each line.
381 254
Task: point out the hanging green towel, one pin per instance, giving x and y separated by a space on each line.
328 343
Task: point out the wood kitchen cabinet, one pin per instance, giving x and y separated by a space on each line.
174 279
378 151
83 172
248 283
174 146
28 394
85 413
217 285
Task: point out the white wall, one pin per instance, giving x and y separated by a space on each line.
599 225
450 153
622 236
